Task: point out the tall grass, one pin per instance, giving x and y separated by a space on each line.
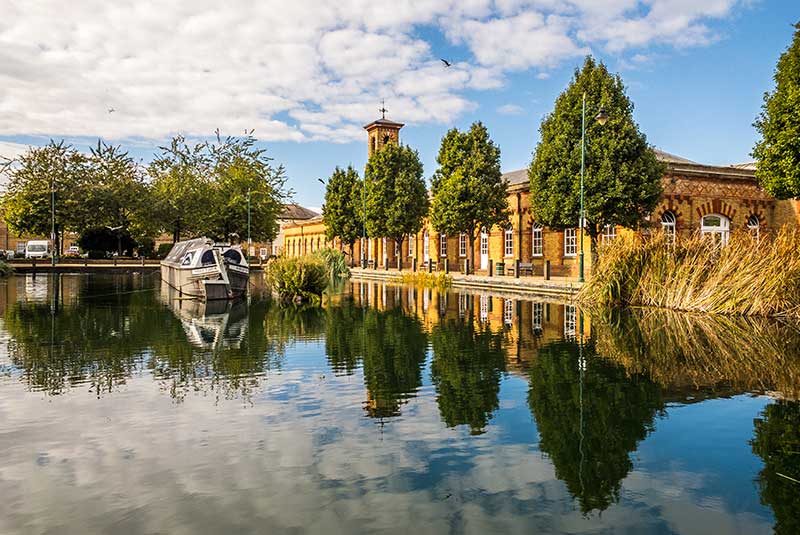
298 280
335 262
746 277
440 281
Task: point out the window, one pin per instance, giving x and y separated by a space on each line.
462 244
443 245
570 321
186 259
754 226
716 227
508 241
425 246
484 310
537 315
508 312
537 242
609 233
208 258
233 256
570 242
668 226
410 245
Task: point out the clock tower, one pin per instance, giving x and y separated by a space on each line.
382 132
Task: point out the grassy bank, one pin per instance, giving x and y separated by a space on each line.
440 281
746 277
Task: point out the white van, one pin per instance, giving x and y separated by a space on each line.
37 249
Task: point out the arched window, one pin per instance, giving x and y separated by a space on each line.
508 241
754 226
717 227
668 225
537 241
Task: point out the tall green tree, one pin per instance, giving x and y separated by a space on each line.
343 211
778 151
623 176
397 198
56 167
181 188
468 189
240 169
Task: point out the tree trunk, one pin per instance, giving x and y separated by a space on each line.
399 250
352 254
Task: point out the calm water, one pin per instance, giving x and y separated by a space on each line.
391 409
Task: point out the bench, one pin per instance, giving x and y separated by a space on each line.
524 268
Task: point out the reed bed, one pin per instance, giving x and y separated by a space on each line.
680 350
745 277
440 281
298 280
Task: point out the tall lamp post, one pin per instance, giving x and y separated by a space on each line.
601 118
53 220
364 225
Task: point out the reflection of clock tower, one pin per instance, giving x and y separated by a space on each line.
381 132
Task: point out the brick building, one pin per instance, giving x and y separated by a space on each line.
697 198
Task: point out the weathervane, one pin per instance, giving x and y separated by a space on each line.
383 109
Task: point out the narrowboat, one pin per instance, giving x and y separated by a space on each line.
205 270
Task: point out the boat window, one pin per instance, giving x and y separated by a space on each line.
187 259
233 256
207 258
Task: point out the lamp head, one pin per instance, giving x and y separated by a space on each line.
602 117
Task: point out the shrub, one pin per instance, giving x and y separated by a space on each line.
96 255
6 269
335 263
163 250
146 247
297 280
745 277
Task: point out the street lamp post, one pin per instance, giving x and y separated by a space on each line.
364 225
601 118
53 220
248 222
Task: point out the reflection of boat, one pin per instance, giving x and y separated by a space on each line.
199 268
209 325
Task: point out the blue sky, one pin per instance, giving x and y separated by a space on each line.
308 76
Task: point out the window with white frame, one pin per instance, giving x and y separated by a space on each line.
508 241
537 317
609 233
716 227
537 241
443 245
410 245
668 226
570 321
484 308
508 312
754 227
462 244
570 242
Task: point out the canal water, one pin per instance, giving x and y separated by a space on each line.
389 410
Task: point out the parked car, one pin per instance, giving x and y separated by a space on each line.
73 251
37 249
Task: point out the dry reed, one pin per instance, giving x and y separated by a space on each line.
745 277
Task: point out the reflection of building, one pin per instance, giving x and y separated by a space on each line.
697 198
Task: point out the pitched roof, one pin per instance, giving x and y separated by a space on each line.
745 165
383 122
671 158
519 176
295 211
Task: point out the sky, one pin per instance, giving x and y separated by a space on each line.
308 75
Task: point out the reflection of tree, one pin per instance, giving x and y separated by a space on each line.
468 362
343 345
777 442
394 353
681 351
590 421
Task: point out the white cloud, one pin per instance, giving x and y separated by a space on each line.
510 109
309 70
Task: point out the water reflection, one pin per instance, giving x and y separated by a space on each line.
498 413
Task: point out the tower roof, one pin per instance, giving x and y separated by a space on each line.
383 122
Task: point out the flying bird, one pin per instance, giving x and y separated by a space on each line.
111 110
446 63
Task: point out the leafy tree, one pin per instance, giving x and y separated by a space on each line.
623 176
343 211
240 169
467 365
468 190
397 198
33 177
589 422
778 151
777 442
181 188
106 240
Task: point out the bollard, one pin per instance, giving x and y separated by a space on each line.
142 261
34 264
115 261
414 264
399 263
446 266
466 266
386 264
516 269
490 267
547 270
430 265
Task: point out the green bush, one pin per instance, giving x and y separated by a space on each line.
5 269
96 255
298 280
147 247
335 263
163 250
